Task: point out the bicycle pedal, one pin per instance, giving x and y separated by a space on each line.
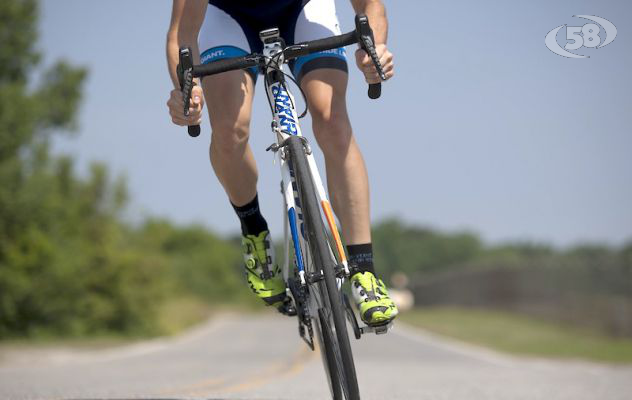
377 329
287 308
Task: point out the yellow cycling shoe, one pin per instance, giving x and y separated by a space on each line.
371 297
263 274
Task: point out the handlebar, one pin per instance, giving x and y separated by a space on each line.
363 35
314 46
225 65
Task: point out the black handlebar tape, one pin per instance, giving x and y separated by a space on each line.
314 46
375 90
367 43
185 78
194 130
376 62
229 64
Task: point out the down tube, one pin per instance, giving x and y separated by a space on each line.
292 215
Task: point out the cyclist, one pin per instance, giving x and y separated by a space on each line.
218 29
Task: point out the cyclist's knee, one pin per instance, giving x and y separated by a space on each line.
229 100
332 130
229 136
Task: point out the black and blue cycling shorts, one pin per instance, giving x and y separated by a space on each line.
231 29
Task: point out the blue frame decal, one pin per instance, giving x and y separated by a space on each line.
284 109
291 214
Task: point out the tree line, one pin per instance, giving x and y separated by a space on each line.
69 263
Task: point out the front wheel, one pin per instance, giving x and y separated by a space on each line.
328 351
333 322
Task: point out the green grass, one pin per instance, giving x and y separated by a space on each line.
519 334
181 313
175 315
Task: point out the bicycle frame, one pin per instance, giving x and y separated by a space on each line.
308 299
285 123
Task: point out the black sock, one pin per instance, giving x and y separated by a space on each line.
361 257
252 222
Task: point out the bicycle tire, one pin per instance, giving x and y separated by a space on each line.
327 341
317 241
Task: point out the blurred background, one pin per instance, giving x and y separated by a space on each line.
500 172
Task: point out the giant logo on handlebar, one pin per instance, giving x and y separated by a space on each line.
284 110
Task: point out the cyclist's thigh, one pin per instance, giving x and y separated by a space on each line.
229 100
325 89
228 95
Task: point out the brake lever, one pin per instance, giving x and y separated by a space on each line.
367 43
369 47
185 77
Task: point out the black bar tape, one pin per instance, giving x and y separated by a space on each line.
332 42
375 90
314 46
219 66
194 130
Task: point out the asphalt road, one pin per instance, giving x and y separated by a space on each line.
261 357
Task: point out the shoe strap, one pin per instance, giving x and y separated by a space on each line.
253 250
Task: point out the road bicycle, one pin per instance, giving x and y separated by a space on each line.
312 242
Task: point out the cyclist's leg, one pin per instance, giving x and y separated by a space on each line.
229 99
348 186
347 178
323 77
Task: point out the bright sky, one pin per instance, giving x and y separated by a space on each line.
482 128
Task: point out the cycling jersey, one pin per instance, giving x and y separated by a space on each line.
231 28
